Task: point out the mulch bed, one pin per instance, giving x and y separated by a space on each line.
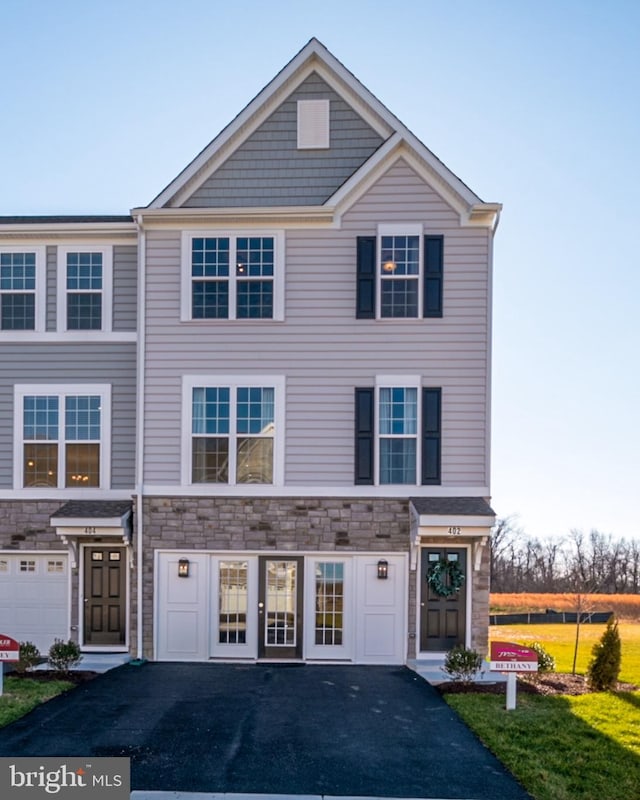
549 684
76 676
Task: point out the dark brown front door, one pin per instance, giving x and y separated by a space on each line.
280 600
442 616
104 595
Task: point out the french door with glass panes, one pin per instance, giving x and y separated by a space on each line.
280 606
234 604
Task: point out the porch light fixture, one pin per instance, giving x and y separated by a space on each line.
183 568
383 570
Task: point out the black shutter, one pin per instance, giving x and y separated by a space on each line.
433 275
366 278
431 435
364 430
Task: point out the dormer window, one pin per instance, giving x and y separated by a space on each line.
313 124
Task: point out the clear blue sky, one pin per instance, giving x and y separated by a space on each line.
533 104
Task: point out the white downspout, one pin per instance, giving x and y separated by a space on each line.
142 259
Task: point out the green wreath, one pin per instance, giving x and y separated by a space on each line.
445 577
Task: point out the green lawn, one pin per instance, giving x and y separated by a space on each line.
21 695
565 748
562 748
559 640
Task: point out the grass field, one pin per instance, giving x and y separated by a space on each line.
565 748
559 640
20 696
624 606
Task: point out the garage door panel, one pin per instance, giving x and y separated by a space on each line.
34 598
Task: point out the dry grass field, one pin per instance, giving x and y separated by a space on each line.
624 606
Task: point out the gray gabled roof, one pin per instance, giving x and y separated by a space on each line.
456 506
93 509
53 219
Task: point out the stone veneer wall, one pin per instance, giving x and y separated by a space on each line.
274 524
24 525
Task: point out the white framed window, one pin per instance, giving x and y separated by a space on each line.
397 441
399 274
85 286
313 124
233 430
63 436
232 275
22 289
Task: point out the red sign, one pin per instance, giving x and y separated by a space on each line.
9 649
510 657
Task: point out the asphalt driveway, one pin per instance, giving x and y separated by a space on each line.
269 729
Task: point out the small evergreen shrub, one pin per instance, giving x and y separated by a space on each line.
462 663
64 655
29 657
546 662
604 668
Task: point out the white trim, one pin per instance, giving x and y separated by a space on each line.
233 382
40 292
468 588
250 648
313 57
54 337
397 382
186 278
60 495
120 648
24 231
61 390
264 490
400 229
106 293
323 652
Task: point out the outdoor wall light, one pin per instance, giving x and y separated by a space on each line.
183 568
383 569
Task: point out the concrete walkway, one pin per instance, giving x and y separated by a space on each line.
266 729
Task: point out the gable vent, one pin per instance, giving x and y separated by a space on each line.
313 124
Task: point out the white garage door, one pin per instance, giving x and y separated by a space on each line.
34 597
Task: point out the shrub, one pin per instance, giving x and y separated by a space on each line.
604 668
64 655
29 657
546 662
462 663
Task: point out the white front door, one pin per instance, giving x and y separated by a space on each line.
329 629
234 606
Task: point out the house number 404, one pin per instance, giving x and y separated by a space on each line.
454 531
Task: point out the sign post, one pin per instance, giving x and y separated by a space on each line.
512 658
10 652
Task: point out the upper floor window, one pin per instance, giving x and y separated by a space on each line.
22 279
235 435
399 274
84 288
63 436
397 433
230 276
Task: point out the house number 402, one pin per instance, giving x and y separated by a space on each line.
454 531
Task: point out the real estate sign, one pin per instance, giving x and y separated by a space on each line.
509 657
9 651
512 658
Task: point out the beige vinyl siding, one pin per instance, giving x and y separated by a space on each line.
323 350
79 363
